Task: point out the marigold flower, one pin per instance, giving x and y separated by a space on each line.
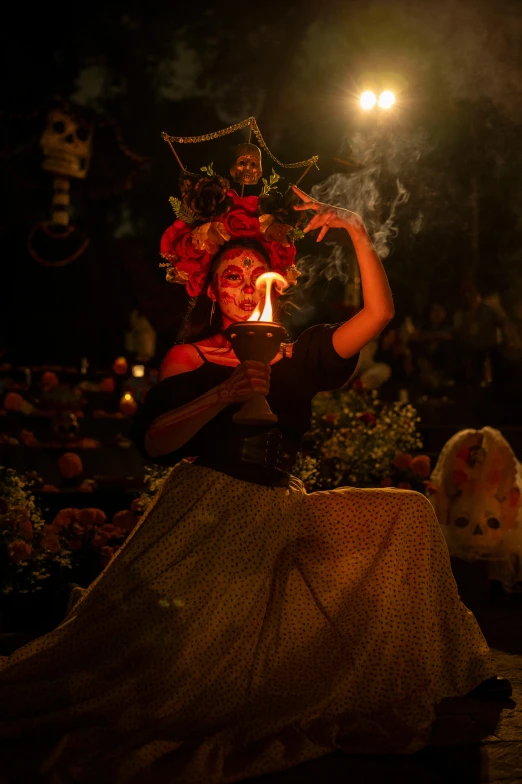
19 551
70 465
91 516
125 519
65 518
402 461
421 465
107 553
49 541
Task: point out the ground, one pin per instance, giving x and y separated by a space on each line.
475 741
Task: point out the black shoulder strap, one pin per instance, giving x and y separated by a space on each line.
201 354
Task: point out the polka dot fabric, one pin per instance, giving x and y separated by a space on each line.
243 629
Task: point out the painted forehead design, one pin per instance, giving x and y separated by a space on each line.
248 257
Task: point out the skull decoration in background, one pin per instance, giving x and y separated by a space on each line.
247 169
65 426
476 493
66 145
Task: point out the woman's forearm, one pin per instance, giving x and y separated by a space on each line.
378 307
171 430
376 290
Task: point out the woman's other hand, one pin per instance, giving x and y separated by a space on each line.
328 217
248 379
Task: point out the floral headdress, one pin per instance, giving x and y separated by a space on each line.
210 214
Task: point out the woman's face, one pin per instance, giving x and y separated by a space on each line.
234 284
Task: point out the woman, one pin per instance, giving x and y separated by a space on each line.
246 626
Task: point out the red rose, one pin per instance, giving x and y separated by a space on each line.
404 485
421 465
168 237
402 461
247 203
386 482
197 275
281 256
239 223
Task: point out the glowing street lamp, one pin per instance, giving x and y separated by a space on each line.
368 100
386 99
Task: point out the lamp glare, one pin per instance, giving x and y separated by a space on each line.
368 100
386 99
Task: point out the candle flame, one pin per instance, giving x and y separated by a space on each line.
265 281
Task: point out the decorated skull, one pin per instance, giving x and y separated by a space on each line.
476 491
65 426
247 168
66 144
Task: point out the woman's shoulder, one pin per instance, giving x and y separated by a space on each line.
181 358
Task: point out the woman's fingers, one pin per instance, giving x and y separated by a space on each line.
309 203
322 232
302 195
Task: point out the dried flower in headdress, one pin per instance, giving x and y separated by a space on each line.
273 231
210 236
281 207
207 197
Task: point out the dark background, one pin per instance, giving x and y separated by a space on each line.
451 146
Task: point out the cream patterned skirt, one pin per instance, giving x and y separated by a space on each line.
243 629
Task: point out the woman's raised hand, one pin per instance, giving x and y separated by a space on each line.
327 217
248 379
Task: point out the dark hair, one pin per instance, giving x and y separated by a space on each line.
197 324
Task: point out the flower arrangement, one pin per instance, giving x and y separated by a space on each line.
356 439
89 537
209 214
26 563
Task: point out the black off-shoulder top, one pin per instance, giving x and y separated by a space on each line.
314 366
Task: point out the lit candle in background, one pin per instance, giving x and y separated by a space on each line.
138 371
128 405
84 366
28 377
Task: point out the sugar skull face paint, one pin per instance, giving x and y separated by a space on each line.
234 284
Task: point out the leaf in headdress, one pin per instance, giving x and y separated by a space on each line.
269 186
208 169
295 234
182 212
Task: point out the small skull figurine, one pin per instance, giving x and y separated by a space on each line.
65 426
66 145
247 168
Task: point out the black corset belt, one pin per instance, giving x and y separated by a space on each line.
265 458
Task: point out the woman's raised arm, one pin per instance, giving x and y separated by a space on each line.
378 307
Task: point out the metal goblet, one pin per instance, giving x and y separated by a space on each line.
260 341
